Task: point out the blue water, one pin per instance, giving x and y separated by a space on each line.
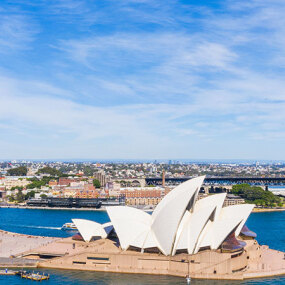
45 222
67 277
270 228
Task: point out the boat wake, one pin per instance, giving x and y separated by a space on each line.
36 227
40 227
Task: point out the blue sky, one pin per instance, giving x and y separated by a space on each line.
142 79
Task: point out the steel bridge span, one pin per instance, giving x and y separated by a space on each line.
259 181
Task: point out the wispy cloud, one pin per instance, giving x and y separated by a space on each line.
146 78
16 31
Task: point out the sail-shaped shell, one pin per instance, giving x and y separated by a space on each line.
178 222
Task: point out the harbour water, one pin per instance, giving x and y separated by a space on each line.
269 226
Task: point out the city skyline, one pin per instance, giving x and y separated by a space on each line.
142 79
147 160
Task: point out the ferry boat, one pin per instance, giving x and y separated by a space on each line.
65 202
69 227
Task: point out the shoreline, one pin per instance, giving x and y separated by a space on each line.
14 244
261 210
103 209
104 255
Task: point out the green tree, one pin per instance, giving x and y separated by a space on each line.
20 197
96 183
18 171
38 183
16 188
50 171
256 195
43 196
11 198
30 194
88 170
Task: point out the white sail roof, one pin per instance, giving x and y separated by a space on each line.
231 217
170 211
89 229
194 223
131 225
178 222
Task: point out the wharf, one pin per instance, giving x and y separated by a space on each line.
7 272
6 262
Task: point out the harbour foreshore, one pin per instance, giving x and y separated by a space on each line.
103 209
6 262
105 255
14 244
262 210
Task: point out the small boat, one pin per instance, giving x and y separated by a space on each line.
33 276
69 227
37 277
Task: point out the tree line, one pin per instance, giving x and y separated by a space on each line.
256 195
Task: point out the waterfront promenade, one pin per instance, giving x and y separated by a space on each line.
13 244
263 210
268 226
103 209
105 255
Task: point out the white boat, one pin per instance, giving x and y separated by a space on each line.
69 226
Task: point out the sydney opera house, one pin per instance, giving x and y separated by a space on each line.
183 236
179 223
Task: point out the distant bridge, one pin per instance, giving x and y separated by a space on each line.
259 181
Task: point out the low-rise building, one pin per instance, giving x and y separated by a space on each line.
142 196
92 193
80 189
9 182
232 199
52 183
